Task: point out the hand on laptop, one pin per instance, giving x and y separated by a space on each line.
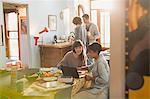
88 78
82 68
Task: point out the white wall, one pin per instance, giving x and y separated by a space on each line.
38 19
16 1
117 46
2 48
24 41
86 5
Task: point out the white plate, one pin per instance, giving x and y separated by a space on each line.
50 78
49 86
45 69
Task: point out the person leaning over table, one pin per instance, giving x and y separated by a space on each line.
74 58
99 78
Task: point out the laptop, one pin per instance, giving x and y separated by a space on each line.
71 72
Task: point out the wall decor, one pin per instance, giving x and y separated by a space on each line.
52 22
23 22
137 48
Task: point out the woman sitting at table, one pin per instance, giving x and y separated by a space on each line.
99 78
74 58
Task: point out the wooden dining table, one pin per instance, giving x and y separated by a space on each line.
36 90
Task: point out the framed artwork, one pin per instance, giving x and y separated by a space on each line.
23 22
137 49
1 36
52 22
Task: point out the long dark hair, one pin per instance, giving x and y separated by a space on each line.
78 43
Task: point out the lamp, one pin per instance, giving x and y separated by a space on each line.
36 37
46 29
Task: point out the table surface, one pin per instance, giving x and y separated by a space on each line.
33 89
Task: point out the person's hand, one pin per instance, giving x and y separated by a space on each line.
78 68
82 68
88 78
90 36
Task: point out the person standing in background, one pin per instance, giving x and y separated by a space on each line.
92 30
80 31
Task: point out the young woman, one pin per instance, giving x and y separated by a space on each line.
74 58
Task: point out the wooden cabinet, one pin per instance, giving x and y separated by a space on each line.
51 54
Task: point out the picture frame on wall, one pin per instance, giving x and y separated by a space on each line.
23 22
52 22
1 36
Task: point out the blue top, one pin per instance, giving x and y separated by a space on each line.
100 70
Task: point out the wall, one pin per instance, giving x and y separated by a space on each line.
2 48
86 5
16 1
117 48
24 42
37 21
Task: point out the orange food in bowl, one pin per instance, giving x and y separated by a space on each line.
48 74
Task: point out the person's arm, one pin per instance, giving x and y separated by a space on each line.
94 34
75 33
103 73
63 62
95 29
80 34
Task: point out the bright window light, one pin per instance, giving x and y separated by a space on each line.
102 4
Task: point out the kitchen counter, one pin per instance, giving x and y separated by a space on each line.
51 54
56 45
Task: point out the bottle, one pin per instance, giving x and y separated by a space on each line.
55 38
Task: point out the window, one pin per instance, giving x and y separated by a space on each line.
100 16
13 36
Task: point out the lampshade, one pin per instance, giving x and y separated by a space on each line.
46 29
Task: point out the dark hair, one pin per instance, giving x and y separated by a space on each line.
78 43
77 20
85 16
96 47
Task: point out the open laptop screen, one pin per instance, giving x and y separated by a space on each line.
70 71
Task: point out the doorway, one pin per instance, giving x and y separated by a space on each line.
15 22
12 35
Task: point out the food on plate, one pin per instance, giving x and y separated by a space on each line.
48 74
49 78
